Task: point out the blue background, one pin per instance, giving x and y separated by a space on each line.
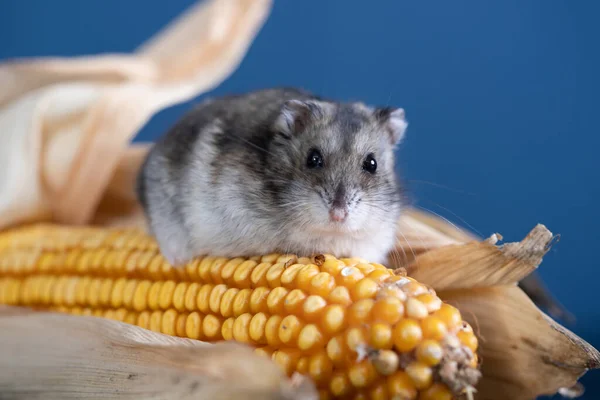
502 99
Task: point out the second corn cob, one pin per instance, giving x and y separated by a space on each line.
355 327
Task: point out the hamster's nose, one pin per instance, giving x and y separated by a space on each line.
338 214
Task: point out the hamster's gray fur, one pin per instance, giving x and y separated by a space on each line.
232 178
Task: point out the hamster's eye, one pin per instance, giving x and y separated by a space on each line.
314 159
370 164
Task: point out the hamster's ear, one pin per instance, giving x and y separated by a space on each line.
295 116
395 121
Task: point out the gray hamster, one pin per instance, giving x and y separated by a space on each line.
275 170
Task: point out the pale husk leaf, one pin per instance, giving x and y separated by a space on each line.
481 264
420 232
524 353
66 122
57 356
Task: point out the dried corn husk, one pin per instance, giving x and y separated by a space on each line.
66 122
56 356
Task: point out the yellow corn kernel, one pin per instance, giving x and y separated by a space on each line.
378 391
362 374
337 351
386 362
140 296
166 295
289 330
143 319
275 300
155 320
241 277
257 328
203 298
241 328
381 336
190 297
179 296
322 284
365 289
415 309
420 374
340 295
468 339
401 386
241 302
294 301
287 359
258 300
320 367
94 292
274 275
229 270
105 292
333 266
180 324
349 276
264 351
433 327
305 276
288 277
436 391
433 303
356 339
215 270
450 316
429 352
272 330
340 385
169 322
193 326
211 326
333 319
214 302
226 309
302 365
379 276
360 312
204 269
388 310
365 267
407 335
310 337
258 277
313 307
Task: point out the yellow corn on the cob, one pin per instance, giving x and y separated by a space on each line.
357 328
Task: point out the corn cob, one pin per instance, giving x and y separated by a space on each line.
358 329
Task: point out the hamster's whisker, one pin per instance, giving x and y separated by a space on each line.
408 243
457 216
437 185
419 236
442 217
396 259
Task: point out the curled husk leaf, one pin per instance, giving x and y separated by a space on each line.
524 353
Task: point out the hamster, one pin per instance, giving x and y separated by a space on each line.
275 170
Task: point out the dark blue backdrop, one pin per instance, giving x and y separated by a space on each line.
501 98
